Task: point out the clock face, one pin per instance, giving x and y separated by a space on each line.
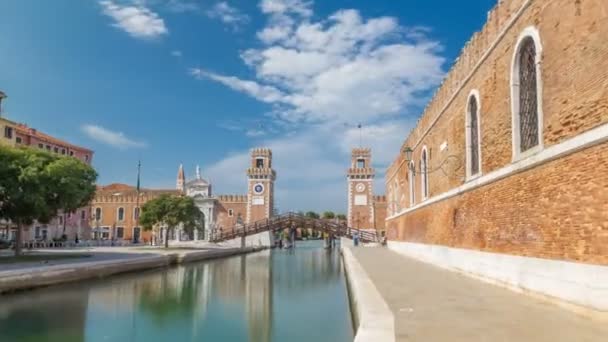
360 187
258 188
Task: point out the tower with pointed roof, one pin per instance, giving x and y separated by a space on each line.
181 179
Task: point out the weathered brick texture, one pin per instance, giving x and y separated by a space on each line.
557 210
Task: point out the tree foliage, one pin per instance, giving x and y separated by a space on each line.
171 211
341 217
312 214
329 215
35 185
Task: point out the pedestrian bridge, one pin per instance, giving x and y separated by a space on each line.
293 221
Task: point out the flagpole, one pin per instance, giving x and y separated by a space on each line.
137 202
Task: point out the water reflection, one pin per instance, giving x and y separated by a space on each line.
268 296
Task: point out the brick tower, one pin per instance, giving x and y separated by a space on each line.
361 189
260 188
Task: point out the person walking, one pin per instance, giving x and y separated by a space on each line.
356 238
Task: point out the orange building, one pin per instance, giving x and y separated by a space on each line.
115 207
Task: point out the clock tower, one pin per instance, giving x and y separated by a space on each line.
260 187
360 190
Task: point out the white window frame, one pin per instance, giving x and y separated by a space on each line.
134 210
230 212
528 32
424 181
100 214
118 214
412 182
475 94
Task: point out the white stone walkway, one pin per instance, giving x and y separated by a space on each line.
432 304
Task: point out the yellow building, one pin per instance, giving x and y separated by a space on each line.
7 128
7 132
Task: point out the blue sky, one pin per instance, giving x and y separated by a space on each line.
203 81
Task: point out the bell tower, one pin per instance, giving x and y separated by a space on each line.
260 187
360 178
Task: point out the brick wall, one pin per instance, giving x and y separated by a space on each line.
539 212
236 203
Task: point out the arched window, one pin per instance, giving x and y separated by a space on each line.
473 146
121 214
412 181
98 214
526 94
396 196
136 213
424 162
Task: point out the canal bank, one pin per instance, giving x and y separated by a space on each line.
423 297
121 260
295 295
373 320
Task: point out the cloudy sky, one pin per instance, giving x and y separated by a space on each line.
203 81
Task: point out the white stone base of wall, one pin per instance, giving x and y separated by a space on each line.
581 287
262 239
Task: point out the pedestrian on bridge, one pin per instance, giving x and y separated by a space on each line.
356 238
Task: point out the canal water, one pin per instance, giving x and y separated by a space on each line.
279 295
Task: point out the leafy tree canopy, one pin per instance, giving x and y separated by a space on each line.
35 185
171 211
329 215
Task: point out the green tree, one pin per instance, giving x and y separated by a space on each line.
34 185
341 217
312 214
329 215
72 183
171 211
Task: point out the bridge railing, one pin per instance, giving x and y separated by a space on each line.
295 220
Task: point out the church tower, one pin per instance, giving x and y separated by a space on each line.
181 179
360 189
260 188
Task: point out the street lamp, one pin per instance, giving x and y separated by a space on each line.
408 156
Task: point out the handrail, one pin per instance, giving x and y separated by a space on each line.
295 220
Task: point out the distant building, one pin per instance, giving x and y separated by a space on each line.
365 210
7 127
115 210
71 224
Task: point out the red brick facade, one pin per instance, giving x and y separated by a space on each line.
365 210
550 203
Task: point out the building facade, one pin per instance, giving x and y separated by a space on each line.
115 209
69 224
365 210
505 175
115 212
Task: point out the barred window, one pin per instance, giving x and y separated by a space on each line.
473 136
423 171
412 179
528 108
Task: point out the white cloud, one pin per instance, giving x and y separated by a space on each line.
135 19
108 137
321 78
180 6
344 68
228 14
263 93
176 53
